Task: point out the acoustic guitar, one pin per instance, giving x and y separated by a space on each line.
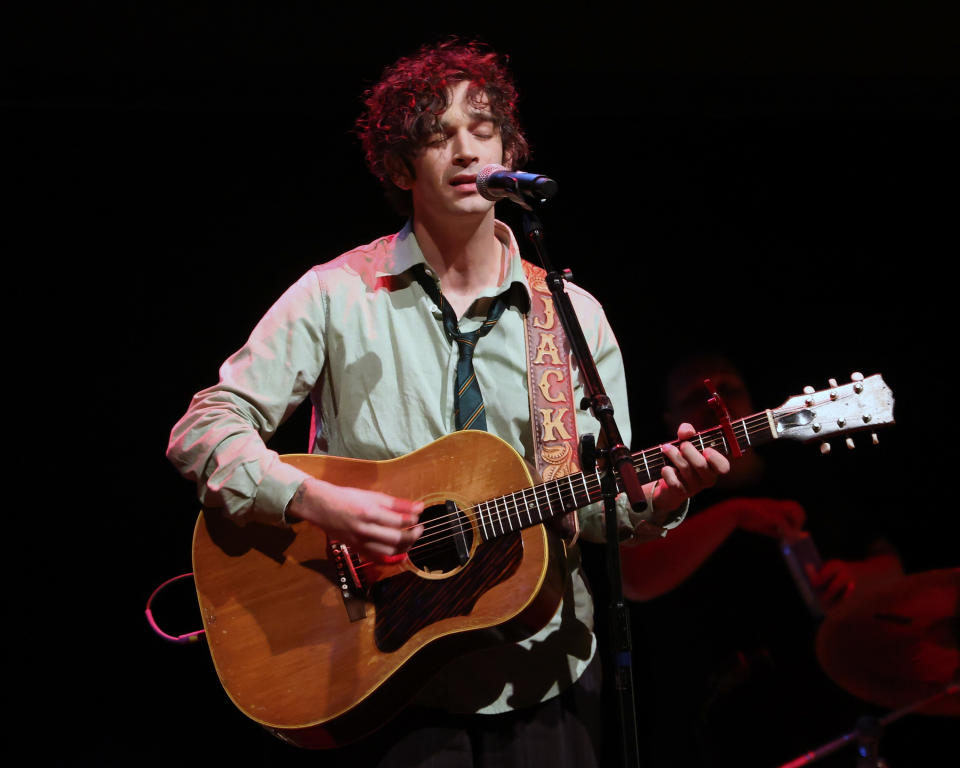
321 648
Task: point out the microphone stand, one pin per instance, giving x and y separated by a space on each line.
618 456
868 732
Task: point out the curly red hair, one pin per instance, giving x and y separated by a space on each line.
403 110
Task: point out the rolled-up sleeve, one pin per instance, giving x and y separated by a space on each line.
220 443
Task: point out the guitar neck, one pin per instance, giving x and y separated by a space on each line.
532 506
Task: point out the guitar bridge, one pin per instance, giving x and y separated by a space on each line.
352 589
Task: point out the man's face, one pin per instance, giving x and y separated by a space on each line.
444 181
688 398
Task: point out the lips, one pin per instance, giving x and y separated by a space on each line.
462 179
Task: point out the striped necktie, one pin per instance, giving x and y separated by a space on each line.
467 400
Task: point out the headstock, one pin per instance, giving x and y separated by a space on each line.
863 404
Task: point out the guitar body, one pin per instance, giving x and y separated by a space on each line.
320 670
321 649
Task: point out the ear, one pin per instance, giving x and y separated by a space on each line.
400 174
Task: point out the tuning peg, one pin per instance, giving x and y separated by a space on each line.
808 390
874 438
833 385
824 448
850 444
856 376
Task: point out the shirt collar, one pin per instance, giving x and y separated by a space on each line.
406 253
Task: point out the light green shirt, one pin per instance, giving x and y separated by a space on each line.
362 339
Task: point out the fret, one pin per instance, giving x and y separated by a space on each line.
537 502
573 493
554 493
549 501
483 525
460 519
513 496
714 438
646 467
586 490
527 505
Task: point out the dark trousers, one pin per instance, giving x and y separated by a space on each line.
564 732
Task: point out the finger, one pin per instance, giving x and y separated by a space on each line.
719 463
708 464
796 514
833 578
672 480
835 590
815 578
787 530
774 527
397 538
375 551
693 457
698 473
831 568
384 555
403 506
685 431
673 454
389 518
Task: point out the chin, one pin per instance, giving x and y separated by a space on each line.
474 207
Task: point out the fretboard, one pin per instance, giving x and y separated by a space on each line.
531 506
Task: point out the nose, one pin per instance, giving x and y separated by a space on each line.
465 151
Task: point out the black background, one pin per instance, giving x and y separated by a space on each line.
780 184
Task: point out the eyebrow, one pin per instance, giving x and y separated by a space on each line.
480 116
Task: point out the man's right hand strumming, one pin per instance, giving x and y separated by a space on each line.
375 525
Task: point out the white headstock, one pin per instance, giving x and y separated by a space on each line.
863 404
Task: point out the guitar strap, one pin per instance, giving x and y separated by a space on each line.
550 383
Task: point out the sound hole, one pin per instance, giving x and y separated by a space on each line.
446 540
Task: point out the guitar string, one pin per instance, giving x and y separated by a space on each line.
757 423
552 492
654 460
433 533
650 458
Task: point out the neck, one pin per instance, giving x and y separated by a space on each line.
464 253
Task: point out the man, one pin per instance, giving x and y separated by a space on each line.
371 339
665 564
738 672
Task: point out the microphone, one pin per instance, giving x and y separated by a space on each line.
495 182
